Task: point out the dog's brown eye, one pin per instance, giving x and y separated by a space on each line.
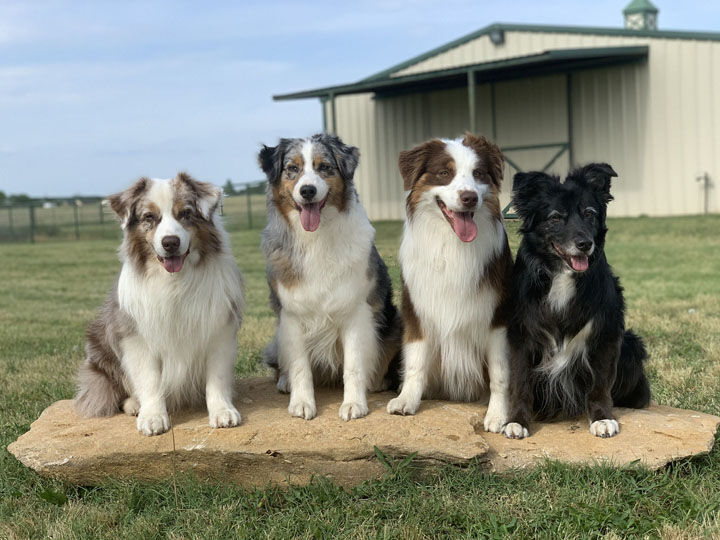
149 218
293 169
589 213
323 168
477 174
443 174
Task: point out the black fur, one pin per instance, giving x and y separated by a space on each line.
563 232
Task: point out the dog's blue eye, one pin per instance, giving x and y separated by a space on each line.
149 218
185 214
293 169
323 167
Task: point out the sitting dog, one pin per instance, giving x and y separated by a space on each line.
328 285
571 353
167 335
456 269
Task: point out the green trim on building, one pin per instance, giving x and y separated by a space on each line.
552 61
640 6
664 34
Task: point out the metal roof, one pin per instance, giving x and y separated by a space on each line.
550 61
665 34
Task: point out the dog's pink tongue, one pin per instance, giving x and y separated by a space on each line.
310 216
463 225
579 263
173 264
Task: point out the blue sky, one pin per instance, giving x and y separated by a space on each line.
94 94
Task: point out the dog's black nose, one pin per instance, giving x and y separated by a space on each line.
583 245
170 243
308 192
468 198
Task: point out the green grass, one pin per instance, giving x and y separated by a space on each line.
670 269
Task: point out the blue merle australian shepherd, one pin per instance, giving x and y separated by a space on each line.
330 290
571 353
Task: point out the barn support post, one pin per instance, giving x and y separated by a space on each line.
493 111
333 114
323 103
568 99
471 99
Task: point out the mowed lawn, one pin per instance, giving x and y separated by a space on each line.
670 269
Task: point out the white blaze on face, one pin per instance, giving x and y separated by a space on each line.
461 219
310 208
162 194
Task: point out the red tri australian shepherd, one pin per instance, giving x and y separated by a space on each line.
456 271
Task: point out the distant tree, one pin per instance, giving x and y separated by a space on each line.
3 197
229 189
20 198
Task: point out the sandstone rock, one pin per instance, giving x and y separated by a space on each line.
270 447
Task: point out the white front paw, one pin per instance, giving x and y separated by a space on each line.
605 428
225 417
349 410
493 422
401 405
153 423
513 430
302 408
283 384
131 406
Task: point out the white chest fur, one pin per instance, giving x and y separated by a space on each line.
334 282
443 274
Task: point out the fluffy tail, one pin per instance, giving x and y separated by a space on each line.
97 394
631 388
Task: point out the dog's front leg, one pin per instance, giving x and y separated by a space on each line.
359 358
604 364
416 357
498 412
220 371
294 360
143 369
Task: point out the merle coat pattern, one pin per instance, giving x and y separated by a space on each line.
571 353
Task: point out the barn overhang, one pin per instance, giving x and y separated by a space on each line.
545 63
468 76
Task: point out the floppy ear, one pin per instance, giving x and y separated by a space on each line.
489 153
208 196
270 159
599 176
347 157
525 195
123 203
412 162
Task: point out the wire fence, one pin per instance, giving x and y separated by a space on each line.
77 220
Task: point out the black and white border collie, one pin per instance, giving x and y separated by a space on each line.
328 285
456 269
166 337
571 353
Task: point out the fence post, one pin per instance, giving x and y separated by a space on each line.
77 224
249 206
10 220
102 218
32 223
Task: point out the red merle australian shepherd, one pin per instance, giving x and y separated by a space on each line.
456 269
571 353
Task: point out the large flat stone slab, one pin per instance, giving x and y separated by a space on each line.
270 447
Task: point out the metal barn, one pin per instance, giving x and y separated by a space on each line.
644 100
